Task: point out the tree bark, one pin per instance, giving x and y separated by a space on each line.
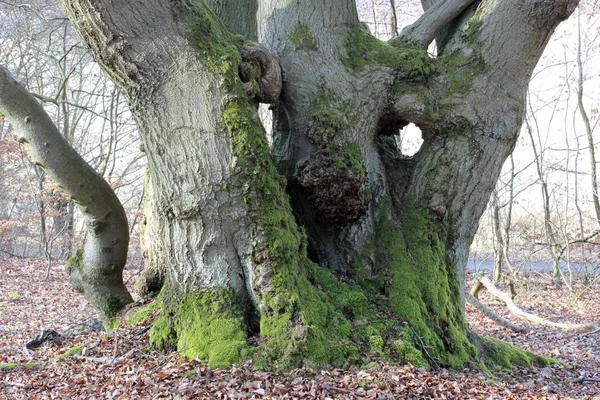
385 234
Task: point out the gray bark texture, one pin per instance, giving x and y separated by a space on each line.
399 228
98 272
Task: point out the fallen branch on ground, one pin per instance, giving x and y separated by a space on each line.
488 312
536 319
105 360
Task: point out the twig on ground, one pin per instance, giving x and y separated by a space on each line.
105 360
583 377
425 348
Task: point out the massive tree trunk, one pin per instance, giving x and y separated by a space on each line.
369 257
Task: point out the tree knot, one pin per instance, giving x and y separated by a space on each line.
335 180
260 72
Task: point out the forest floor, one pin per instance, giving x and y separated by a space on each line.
117 366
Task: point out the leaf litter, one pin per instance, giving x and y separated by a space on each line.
87 364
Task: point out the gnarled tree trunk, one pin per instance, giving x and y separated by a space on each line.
373 233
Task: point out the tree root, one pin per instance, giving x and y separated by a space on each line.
515 310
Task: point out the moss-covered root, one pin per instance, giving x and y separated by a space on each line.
423 290
495 354
208 325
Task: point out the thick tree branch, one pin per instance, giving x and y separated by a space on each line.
435 18
99 274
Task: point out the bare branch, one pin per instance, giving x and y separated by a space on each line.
488 312
424 30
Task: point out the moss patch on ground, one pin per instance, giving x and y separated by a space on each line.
70 352
15 366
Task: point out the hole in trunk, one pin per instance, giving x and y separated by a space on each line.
410 140
407 136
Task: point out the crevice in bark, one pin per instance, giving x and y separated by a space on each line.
322 244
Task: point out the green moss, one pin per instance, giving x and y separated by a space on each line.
423 289
330 116
376 342
113 307
461 71
16 366
217 45
406 349
14 295
348 156
364 50
497 353
75 262
69 353
303 38
473 28
208 325
142 314
354 155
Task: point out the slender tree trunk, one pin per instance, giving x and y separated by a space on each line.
498 247
587 125
97 271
